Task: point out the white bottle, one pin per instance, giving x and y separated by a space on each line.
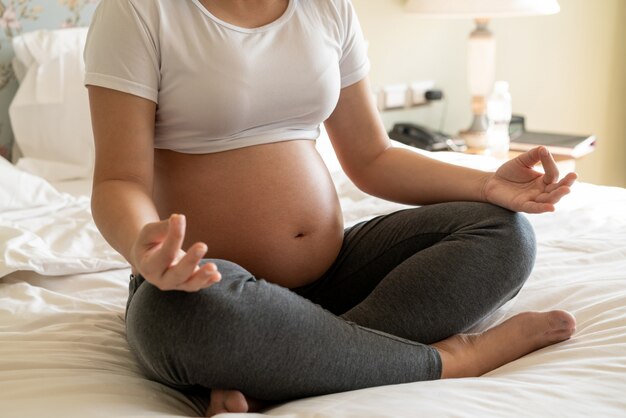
499 114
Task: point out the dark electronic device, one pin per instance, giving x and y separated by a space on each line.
517 126
422 137
433 95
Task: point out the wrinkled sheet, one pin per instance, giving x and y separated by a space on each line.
47 231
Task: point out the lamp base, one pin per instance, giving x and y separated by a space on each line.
476 136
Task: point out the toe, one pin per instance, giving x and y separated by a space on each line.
562 320
235 401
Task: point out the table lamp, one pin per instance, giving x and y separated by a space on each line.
482 46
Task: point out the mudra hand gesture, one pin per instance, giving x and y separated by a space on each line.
518 187
158 256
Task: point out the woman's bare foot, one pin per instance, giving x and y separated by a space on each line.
232 401
469 355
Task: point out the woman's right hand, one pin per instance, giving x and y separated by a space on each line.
158 256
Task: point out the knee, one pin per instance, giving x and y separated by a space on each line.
504 239
517 237
513 244
162 315
161 324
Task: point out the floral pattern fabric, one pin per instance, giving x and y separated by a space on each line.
18 16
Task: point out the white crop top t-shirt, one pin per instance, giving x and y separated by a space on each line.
218 86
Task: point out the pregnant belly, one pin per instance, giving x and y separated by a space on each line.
271 208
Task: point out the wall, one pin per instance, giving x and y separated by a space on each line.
17 16
567 71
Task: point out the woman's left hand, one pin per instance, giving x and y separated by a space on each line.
518 187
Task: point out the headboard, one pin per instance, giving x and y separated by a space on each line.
20 16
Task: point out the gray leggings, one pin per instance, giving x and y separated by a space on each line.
400 282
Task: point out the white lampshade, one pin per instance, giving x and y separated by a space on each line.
481 8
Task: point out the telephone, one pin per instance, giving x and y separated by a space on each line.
422 137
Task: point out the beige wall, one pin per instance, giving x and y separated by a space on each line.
567 71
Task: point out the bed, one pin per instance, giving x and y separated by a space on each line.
63 291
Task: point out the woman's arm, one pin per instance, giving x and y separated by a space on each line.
368 158
122 204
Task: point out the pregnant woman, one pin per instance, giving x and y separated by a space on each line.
245 285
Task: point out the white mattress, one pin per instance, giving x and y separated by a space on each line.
63 351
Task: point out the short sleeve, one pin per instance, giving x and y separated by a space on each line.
121 52
354 63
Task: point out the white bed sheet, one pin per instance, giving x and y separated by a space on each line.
46 230
63 352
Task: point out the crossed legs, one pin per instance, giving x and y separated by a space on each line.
392 309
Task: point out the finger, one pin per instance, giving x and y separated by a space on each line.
209 266
201 279
554 196
153 233
569 179
566 181
151 260
174 240
186 266
530 158
549 166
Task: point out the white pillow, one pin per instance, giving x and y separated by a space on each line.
50 111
